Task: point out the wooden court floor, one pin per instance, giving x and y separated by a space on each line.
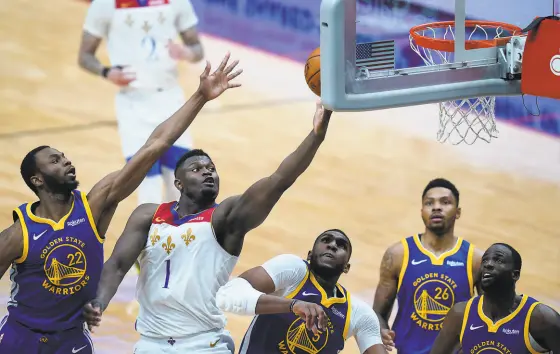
367 178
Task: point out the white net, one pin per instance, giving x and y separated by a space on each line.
466 120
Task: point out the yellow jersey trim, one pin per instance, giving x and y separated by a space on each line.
493 327
300 285
56 226
348 314
470 269
526 329
437 260
326 301
90 218
404 264
25 235
465 318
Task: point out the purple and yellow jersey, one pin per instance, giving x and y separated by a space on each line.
286 333
59 269
479 334
428 287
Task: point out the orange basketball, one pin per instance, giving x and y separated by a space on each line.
313 71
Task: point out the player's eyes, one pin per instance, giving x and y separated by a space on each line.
195 170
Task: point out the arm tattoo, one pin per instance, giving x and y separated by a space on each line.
387 263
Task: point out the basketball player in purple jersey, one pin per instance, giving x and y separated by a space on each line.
55 246
500 321
276 329
428 273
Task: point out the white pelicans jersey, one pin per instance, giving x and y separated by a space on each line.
138 32
181 269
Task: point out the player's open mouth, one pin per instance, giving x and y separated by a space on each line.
71 172
208 181
328 255
487 276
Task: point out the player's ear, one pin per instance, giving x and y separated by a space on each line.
516 275
178 185
309 256
37 181
458 214
346 268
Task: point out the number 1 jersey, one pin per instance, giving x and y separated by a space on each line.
181 269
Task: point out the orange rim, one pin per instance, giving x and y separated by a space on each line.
448 45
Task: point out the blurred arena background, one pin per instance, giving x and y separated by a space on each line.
367 178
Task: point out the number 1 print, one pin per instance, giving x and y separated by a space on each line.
167 273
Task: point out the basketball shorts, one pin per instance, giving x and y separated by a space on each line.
16 338
211 342
139 111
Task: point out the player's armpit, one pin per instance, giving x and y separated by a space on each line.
238 215
449 335
544 327
386 291
11 246
126 251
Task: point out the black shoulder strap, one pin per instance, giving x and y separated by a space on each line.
534 25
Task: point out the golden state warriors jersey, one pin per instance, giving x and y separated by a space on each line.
428 287
509 335
286 333
59 270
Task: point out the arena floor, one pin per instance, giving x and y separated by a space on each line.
367 178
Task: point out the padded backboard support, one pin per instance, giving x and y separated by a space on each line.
474 73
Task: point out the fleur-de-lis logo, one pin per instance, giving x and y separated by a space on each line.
154 238
168 246
188 237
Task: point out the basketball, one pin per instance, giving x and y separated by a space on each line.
313 71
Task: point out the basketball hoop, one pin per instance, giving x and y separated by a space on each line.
469 119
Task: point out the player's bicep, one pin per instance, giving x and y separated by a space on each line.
544 327
279 273
259 279
98 18
11 246
367 330
133 239
449 336
186 17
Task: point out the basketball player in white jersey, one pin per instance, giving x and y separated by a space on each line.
143 53
188 249
290 280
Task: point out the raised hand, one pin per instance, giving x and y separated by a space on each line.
321 120
213 85
312 314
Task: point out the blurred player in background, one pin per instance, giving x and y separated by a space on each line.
55 245
188 248
290 280
428 273
143 53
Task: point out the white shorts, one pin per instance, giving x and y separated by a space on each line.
214 342
140 111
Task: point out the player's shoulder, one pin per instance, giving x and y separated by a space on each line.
146 211
288 260
14 230
394 255
544 314
359 306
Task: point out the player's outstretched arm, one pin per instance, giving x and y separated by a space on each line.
238 215
386 292
544 327
11 246
248 295
126 251
115 187
449 336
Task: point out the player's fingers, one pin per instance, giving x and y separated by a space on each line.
234 75
231 67
206 71
392 334
233 85
321 319
224 62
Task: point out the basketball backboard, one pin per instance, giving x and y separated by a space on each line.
367 62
